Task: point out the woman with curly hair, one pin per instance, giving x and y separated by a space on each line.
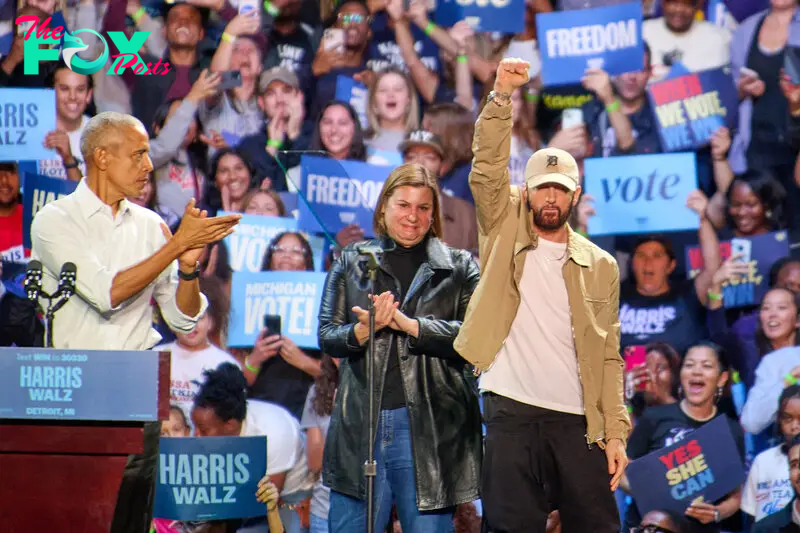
315 421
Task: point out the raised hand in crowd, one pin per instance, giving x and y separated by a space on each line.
214 139
366 77
599 82
573 140
720 143
58 140
267 346
296 114
463 34
349 234
326 60
731 269
206 86
15 55
750 86
225 194
244 24
792 93
697 201
375 6
395 10
197 230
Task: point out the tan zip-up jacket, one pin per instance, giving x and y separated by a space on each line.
505 225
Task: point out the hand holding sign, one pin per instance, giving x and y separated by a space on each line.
720 143
512 73
58 140
598 81
703 512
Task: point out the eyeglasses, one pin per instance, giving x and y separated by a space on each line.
650 529
351 18
289 250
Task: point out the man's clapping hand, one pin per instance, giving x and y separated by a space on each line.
197 230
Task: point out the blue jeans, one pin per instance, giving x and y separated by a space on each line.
318 524
395 482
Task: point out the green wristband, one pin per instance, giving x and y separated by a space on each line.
790 379
252 369
532 97
462 59
717 297
274 143
271 9
138 15
429 27
613 106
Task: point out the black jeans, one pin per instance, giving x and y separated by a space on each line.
134 510
537 460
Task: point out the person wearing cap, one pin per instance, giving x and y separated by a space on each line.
287 129
460 228
543 330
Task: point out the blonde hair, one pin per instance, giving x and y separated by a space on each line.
408 175
252 193
412 113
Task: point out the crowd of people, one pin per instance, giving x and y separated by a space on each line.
238 150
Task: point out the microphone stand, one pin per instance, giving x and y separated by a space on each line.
370 468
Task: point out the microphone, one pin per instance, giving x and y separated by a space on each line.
66 280
33 280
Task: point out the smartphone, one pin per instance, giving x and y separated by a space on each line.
246 6
571 117
333 39
635 357
272 323
743 248
230 79
744 71
791 64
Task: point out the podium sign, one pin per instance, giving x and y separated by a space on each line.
49 384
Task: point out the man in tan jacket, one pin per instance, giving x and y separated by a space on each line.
543 329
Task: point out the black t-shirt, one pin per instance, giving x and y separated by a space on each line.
294 51
662 426
677 317
281 383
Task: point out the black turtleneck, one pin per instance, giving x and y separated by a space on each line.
403 264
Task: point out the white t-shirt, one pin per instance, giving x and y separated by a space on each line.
705 46
285 446
186 372
537 363
54 168
768 488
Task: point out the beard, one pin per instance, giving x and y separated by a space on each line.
548 223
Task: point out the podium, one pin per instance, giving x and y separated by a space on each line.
69 419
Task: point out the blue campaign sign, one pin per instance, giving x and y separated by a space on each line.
45 383
761 251
641 193
40 191
28 115
689 108
505 16
210 478
248 244
295 296
704 463
339 193
355 93
609 38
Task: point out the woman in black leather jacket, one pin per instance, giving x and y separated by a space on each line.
428 441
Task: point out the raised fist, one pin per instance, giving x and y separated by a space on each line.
511 73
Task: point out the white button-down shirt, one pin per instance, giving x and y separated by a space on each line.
81 229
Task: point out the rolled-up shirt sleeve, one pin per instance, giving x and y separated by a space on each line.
53 243
165 294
